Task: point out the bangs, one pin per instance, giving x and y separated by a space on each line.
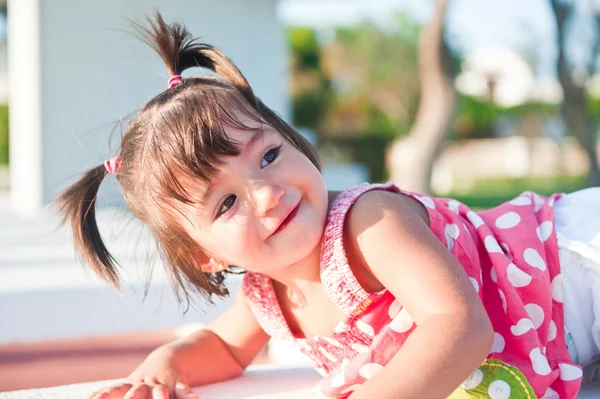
190 142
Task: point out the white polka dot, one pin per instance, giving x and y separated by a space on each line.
451 232
552 331
508 220
402 323
370 370
394 309
499 343
360 348
475 219
544 230
569 372
550 394
453 205
517 277
475 284
428 202
503 298
533 258
494 275
539 362
351 388
367 329
342 327
492 245
522 327
473 381
536 314
557 290
551 202
499 390
521 200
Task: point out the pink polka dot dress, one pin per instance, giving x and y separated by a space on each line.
510 255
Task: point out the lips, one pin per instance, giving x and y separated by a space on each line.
290 216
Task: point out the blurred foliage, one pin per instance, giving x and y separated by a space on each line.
593 107
305 48
368 149
310 86
3 134
492 192
374 75
357 87
478 117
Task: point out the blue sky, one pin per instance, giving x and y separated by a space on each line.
524 25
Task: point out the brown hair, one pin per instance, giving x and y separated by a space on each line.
179 130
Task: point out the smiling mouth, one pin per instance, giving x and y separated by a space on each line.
288 218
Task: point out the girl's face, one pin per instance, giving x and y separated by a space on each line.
266 208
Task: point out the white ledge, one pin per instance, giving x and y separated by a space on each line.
259 382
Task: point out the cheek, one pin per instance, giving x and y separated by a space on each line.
232 240
302 170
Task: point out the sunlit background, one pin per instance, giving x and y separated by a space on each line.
473 99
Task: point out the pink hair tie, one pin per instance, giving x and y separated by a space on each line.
113 165
175 81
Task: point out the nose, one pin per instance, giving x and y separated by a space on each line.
266 196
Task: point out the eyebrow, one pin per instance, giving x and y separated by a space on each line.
256 137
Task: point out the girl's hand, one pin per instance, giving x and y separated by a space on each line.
230 344
158 377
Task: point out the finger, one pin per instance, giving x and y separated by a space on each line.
183 391
160 392
138 391
113 392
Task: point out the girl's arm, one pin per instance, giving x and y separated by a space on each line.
218 353
389 237
225 349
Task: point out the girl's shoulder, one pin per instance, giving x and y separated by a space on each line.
367 197
346 279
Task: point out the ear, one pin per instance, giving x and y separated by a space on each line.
214 265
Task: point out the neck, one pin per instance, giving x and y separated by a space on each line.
300 275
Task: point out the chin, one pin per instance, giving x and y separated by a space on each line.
305 242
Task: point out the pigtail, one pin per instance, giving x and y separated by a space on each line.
77 207
180 51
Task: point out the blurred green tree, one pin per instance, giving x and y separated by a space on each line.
309 84
574 75
374 79
412 159
358 87
4 149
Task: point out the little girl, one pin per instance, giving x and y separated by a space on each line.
392 294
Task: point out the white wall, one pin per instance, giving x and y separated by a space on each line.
75 70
